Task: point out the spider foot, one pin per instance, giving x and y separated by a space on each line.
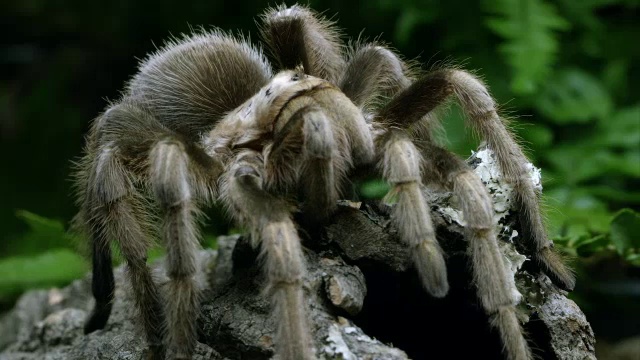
553 265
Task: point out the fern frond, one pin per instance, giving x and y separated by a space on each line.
529 28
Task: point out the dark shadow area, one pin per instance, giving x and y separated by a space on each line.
398 311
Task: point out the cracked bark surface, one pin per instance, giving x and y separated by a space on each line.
363 295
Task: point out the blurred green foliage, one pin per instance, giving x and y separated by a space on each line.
567 72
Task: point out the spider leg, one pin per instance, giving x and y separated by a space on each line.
329 141
170 180
495 288
373 73
318 170
134 147
481 110
297 35
427 93
400 161
269 219
116 211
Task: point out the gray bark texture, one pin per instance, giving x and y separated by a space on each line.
363 296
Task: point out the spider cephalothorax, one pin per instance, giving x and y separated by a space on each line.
206 121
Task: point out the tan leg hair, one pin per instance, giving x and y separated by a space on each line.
297 35
169 175
400 163
311 127
348 123
318 176
482 111
425 94
269 219
493 284
128 143
118 213
373 73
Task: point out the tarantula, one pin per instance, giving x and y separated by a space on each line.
205 120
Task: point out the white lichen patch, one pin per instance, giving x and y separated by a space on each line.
350 330
335 347
513 261
453 215
344 339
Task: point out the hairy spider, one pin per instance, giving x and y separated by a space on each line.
205 120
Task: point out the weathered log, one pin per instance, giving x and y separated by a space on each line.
363 295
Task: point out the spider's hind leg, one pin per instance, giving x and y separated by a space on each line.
496 289
481 109
116 211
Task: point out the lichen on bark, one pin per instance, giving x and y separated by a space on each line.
363 295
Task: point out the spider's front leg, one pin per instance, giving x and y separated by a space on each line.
304 155
400 162
317 138
171 180
269 219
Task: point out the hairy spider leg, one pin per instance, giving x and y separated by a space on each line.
169 177
136 146
496 289
482 112
269 220
115 210
373 74
304 153
297 35
318 138
432 90
400 164
409 107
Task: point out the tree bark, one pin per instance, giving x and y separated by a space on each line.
363 295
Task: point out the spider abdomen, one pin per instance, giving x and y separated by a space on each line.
190 83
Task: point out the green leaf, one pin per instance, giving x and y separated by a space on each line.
587 245
42 234
633 259
531 44
40 224
615 194
537 135
374 189
53 268
625 231
615 76
574 96
574 212
623 129
587 160
210 241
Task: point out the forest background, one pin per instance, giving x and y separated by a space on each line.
567 72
